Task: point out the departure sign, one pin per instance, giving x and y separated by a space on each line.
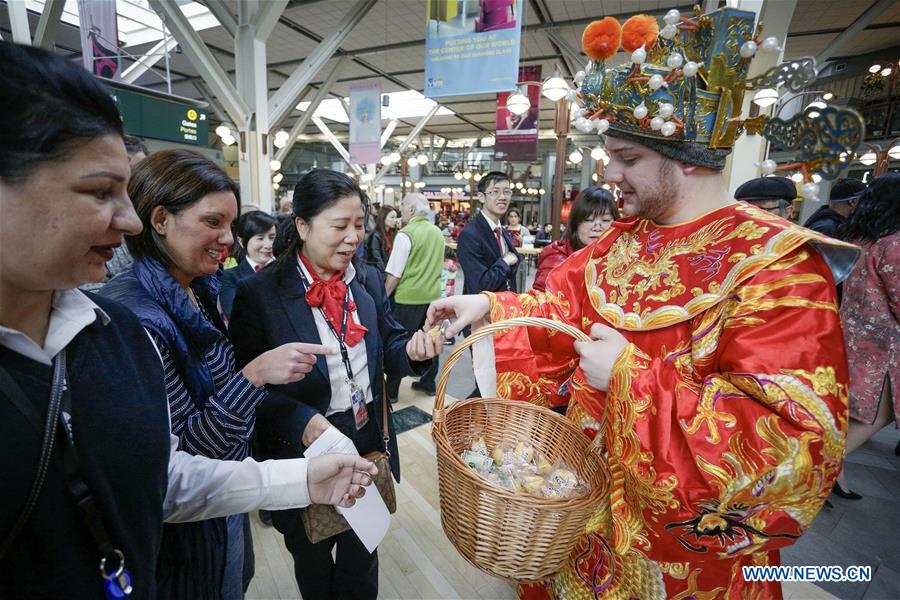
155 118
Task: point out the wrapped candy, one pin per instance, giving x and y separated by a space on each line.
521 468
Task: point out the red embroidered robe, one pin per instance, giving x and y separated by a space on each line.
725 423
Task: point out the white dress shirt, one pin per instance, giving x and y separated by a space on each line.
359 361
399 255
495 225
199 487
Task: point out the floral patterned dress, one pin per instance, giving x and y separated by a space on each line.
870 313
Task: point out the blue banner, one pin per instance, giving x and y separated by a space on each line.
471 47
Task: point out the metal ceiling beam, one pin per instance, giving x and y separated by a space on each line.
336 144
833 30
267 17
48 23
223 14
213 103
440 153
546 18
300 126
18 22
575 57
146 62
284 100
199 55
388 131
868 15
409 138
314 36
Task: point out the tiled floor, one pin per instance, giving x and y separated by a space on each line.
417 561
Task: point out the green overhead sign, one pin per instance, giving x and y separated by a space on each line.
158 119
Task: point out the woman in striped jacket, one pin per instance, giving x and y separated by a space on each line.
187 206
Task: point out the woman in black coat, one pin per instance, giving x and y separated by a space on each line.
256 236
316 292
381 240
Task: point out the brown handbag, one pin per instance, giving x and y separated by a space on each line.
322 521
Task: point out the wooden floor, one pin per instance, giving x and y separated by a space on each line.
416 560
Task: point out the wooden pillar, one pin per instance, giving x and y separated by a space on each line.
561 127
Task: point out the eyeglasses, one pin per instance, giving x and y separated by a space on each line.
495 193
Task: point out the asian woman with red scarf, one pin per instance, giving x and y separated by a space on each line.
317 291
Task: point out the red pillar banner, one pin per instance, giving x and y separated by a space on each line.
517 135
99 37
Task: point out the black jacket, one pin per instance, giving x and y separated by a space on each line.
121 428
270 310
376 255
825 221
228 285
479 256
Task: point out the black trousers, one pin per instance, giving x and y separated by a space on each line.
353 573
412 317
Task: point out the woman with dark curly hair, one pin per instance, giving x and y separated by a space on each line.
870 312
592 213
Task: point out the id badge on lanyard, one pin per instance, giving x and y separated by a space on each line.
357 394
358 403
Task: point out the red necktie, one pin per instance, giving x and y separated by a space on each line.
329 295
499 240
258 268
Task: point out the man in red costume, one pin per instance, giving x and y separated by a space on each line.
716 384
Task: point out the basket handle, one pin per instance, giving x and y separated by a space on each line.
490 329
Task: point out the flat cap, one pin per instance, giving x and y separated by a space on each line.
767 188
845 190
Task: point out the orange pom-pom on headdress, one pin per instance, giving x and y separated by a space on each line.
639 30
601 39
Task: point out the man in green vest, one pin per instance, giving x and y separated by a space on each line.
414 277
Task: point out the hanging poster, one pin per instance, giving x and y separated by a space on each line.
517 135
365 123
471 47
99 37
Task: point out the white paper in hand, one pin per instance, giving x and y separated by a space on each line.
369 517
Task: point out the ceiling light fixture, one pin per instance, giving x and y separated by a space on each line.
555 87
868 159
765 97
518 103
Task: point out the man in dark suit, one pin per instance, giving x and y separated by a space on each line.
485 252
845 194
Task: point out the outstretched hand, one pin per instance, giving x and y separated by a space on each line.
338 479
421 346
599 356
461 310
285 364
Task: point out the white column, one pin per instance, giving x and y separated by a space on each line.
255 148
749 149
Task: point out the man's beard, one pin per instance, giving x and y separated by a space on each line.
653 200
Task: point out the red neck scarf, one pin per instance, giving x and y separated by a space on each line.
329 296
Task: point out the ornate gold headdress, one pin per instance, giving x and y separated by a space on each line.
686 82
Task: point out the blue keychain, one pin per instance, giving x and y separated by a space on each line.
117 584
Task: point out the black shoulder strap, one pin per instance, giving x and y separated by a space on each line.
17 396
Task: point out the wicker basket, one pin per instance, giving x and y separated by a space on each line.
516 537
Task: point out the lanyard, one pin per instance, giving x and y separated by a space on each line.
117 581
345 356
